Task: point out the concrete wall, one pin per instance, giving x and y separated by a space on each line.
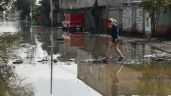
126 12
132 18
127 18
164 25
65 4
115 2
115 13
147 25
68 4
90 3
139 19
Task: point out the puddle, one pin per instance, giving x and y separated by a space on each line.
69 76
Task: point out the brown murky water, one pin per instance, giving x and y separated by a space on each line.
145 70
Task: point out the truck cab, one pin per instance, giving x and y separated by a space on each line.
73 22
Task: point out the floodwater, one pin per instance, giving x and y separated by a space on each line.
145 70
9 26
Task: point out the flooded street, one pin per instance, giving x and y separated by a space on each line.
9 26
145 69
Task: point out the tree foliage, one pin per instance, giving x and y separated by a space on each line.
10 82
96 12
5 4
25 7
155 8
44 9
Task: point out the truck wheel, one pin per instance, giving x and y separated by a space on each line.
71 29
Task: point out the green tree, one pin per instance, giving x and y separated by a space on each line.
10 83
155 8
25 7
44 9
5 4
96 12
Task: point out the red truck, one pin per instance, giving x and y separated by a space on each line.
73 22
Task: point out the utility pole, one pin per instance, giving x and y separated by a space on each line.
107 7
51 39
51 12
31 21
59 2
31 11
144 21
77 4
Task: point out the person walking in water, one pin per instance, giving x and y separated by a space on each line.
115 40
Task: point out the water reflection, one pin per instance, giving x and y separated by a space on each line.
39 72
139 75
114 79
155 79
43 36
113 72
9 26
25 32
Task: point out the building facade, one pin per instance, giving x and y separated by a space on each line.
121 10
131 17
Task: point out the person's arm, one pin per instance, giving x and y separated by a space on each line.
117 30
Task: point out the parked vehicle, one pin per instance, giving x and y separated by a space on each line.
73 22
